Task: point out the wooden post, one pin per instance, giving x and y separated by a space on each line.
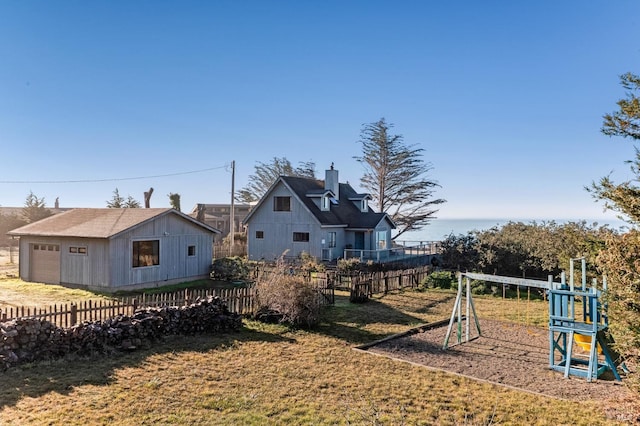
74 314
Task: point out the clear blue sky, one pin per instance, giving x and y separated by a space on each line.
505 97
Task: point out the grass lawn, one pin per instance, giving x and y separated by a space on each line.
270 374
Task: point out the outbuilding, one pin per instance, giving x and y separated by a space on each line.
115 249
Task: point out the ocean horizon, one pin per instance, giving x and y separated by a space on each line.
439 229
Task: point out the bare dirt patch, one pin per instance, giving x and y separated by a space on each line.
510 355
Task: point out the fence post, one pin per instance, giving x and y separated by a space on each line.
74 314
135 305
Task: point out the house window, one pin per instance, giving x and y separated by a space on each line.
331 239
281 204
78 250
364 206
146 253
259 235
325 203
191 250
301 237
381 240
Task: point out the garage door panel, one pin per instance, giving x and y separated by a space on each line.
45 263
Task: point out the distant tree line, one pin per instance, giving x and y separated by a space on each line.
528 250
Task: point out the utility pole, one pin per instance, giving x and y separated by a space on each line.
232 214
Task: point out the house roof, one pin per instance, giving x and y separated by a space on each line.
97 223
345 213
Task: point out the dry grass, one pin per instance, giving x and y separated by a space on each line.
15 292
269 374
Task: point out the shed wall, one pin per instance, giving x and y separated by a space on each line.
175 235
107 264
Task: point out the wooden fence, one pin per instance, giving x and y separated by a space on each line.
364 285
238 300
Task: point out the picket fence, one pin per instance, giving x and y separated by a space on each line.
238 300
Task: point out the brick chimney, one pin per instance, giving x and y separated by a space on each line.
331 182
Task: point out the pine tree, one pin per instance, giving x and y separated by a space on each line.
396 177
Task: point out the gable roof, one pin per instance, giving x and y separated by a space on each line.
98 223
345 213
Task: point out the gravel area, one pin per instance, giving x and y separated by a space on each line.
510 355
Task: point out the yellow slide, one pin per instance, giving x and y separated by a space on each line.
585 342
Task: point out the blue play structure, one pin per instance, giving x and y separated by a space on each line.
579 338
577 319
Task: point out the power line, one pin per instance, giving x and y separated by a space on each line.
226 166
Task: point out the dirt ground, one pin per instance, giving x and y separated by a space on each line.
514 356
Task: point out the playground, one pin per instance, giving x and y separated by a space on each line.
510 355
572 359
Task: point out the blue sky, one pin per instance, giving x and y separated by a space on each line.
506 98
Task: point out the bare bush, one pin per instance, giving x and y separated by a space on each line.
288 297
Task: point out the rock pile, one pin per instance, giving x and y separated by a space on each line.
31 339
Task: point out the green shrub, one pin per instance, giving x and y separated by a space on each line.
230 269
480 287
440 279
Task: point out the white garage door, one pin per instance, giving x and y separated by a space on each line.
45 263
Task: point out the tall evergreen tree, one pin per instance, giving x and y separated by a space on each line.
396 177
34 209
619 259
624 197
174 200
119 202
116 201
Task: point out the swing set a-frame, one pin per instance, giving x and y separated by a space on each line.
568 326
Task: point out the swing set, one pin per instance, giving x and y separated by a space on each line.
567 325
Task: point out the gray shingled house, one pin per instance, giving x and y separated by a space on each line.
325 219
115 249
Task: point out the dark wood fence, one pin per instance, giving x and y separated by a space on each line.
364 285
238 300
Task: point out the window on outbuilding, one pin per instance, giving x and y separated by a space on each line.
259 235
301 237
78 250
191 250
146 253
281 204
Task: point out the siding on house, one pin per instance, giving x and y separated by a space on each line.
347 215
278 228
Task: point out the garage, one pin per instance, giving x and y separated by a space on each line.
45 263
